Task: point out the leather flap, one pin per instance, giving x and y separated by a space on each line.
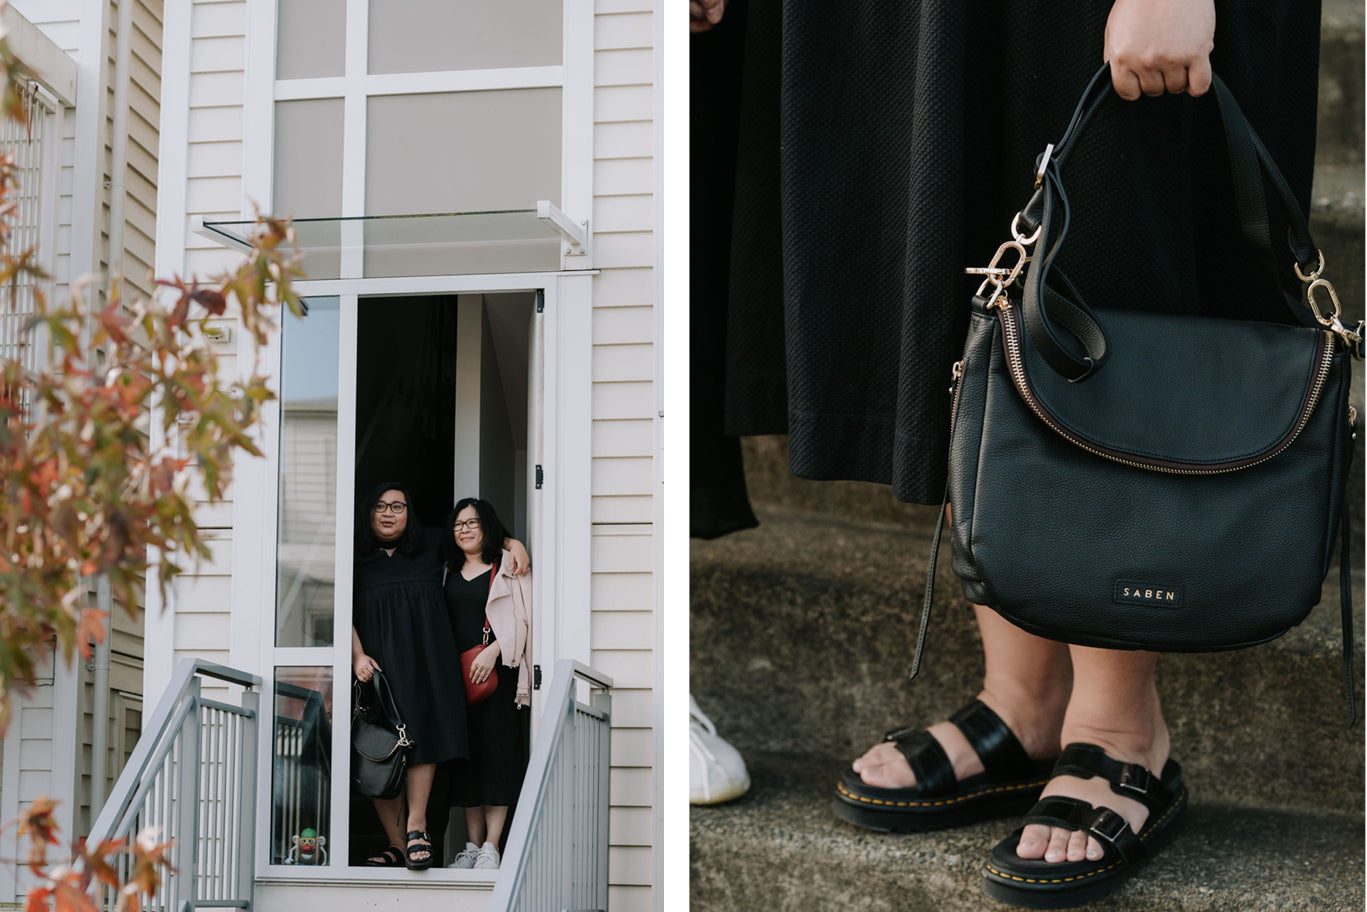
1189 390
373 742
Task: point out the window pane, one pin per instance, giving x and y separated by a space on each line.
307 181
301 767
311 39
429 36
306 543
461 152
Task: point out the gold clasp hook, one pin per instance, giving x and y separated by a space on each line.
1001 276
1331 321
1332 318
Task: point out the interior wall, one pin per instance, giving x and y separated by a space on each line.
497 451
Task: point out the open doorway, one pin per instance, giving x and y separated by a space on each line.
446 402
443 400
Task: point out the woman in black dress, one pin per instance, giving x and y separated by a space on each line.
492 609
400 627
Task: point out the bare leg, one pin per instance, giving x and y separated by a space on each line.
390 812
474 825
1026 683
1114 706
418 789
496 815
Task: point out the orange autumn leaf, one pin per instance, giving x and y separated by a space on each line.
91 627
39 822
38 899
68 895
96 862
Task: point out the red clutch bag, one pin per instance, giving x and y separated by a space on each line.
478 693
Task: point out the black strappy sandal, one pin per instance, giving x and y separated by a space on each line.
1038 884
391 857
418 841
1010 783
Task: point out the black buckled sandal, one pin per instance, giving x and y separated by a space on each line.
419 854
1010 783
391 857
1038 884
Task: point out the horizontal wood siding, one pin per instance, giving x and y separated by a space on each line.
622 623
202 597
31 753
217 92
202 602
144 120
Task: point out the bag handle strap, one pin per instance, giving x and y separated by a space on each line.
1045 218
384 699
493 572
1249 161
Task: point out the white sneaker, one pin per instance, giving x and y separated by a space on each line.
488 858
716 772
467 856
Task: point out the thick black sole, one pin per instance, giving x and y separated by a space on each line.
1079 892
883 816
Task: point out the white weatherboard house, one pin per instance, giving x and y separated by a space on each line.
475 188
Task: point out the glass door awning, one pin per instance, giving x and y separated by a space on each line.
445 243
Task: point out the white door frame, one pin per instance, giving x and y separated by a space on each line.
559 529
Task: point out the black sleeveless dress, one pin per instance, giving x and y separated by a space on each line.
402 621
494 773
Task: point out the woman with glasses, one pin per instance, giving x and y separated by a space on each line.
400 627
489 608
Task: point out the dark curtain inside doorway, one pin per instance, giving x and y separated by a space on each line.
406 399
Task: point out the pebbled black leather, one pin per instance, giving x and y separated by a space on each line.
1051 535
1187 495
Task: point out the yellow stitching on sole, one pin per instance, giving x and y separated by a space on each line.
1147 833
840 787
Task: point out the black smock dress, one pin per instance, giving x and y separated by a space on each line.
849 160
494 773
401 619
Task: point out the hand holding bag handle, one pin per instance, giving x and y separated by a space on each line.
1044 309
1248 159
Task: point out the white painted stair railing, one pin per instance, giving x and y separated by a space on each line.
193 774
556 858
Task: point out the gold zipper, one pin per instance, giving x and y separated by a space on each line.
1016 364
956 375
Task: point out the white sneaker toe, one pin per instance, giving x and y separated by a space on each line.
716 772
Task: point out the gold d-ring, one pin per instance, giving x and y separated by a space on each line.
1314 274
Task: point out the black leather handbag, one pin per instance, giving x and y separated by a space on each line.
1147 481
379 741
